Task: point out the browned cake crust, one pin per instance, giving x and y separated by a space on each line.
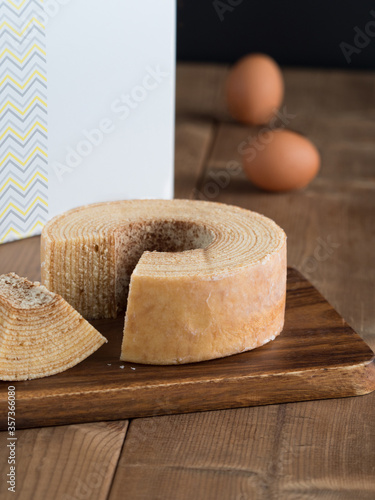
206 279
40 333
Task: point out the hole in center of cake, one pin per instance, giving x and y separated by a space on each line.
160 236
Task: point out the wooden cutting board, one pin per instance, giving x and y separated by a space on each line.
317 356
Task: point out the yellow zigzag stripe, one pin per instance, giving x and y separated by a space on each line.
18 7
9 103
36 72
20 33
23 188
10 129
21 60
11 230
23 163
12 205
18 234
35 46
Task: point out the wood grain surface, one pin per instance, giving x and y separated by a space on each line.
299 451
73 461
317 356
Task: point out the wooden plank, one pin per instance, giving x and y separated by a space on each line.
320 450
21 257
199 91
85 470
309 93
316 356
70 462
194 138
313 92
210 455
64 463
326 225
298 451
195 126
328 451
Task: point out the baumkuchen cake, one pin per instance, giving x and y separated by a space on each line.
40 333
200 280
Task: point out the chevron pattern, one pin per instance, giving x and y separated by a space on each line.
23 120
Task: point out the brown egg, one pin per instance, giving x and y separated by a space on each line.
254 89
280 160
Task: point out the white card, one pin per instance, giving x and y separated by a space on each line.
87 106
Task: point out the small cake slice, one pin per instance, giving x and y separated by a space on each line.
40 333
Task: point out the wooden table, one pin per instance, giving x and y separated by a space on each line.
312 450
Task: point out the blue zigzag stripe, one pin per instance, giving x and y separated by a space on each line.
23 120
22 228
22 179
8 38
38 188
22 67
23 11
38 158
14 215
12 139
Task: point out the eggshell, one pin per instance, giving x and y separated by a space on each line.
254 89
280 160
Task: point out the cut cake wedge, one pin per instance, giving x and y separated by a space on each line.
40 333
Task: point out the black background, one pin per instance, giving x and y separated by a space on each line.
295 33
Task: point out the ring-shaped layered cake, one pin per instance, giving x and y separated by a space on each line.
199 280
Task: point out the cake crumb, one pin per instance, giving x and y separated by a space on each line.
109 364
122 367
24 294
132 368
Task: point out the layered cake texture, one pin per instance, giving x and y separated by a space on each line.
40 333
198 280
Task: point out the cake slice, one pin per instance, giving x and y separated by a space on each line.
40 333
